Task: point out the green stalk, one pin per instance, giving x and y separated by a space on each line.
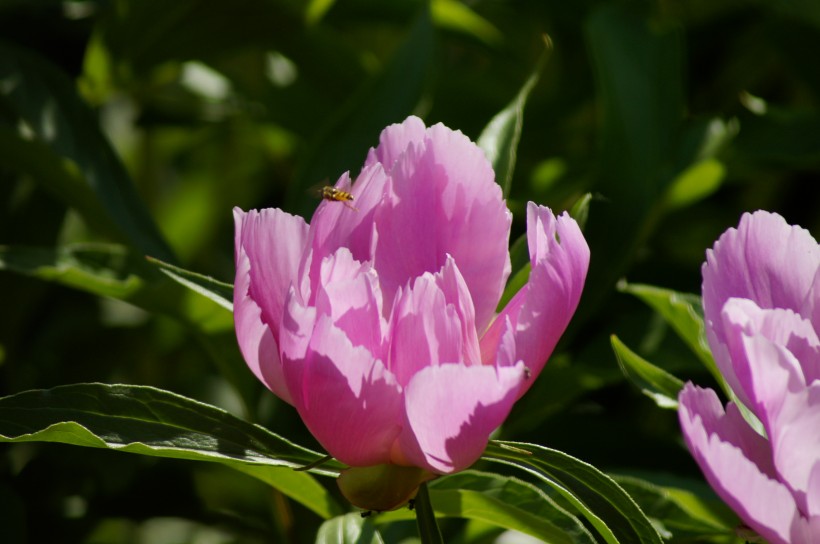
426 518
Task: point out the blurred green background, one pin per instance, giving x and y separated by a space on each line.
132 128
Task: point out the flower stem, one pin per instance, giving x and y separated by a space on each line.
426 518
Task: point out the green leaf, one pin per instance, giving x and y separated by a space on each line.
454 15
102 269
597 497
298 485
682 312
580 210
49 112
653 381
695 183
680 511
348 529
147 421
502 501
499 139
215 290
388 98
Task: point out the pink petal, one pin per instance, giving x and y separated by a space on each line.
274 242
741 320
255 338
394 140
349 294
345 224
450 411
347 399
445 201
724 448
542 309
765 260
425 330
267 251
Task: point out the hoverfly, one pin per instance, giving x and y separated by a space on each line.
337 195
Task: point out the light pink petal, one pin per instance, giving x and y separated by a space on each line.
456 293
450 411
349 294
255 338
796 444
542 309
811 310
345 224
445 201
765 260
348 400
764 504
394 140
274 242
742 319
425 329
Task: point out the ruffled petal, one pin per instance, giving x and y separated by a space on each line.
347 399
394 141
542 309
268 247
425 329
742 320
255 338
450 411
274 242
765 260
716 440
444 201
349 294
344 224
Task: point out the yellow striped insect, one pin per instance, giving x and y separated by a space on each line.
337 195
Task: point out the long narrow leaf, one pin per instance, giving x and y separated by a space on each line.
653 381
148 421
595 495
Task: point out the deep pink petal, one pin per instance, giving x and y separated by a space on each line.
425 330
348 400
765 260
444 201
268 246
394 141
274 242
255 338
542 309
764 504
450 411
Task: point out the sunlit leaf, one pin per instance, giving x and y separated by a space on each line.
299 486
502 501
215 290
596 496
455 15
147 421
681 511
653 381
695 183
348 529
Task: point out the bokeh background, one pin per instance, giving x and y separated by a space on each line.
132 128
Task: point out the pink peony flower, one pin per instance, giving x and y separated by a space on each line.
761 300
378 322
